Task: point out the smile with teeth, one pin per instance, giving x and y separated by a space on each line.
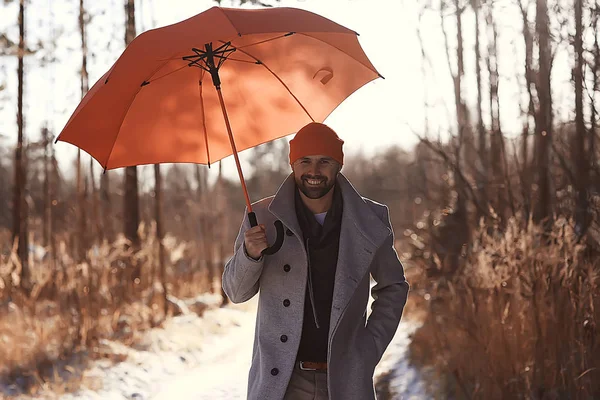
314 182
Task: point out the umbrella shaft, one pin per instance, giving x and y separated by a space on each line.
235 154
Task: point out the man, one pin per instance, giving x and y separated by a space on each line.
312 338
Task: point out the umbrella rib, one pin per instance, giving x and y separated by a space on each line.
265 41
245 61
167 74
338 49
120 126
280 81
231 22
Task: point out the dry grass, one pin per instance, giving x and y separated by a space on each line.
50 331
519 321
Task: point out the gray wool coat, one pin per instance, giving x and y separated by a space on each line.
356 343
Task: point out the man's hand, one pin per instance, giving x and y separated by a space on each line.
255 240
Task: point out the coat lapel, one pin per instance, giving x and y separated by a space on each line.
361 235
282 206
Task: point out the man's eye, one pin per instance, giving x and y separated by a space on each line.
324 161
305 162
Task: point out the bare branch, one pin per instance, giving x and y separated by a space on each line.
483 210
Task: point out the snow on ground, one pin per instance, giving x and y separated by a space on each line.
226 377
209 358
405 381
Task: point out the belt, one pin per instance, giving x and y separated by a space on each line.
312 366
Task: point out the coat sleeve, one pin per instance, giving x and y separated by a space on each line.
242 273
389 294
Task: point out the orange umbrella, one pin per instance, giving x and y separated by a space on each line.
281 68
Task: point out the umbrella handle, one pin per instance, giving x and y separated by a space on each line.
280 234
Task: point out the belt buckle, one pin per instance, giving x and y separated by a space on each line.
303 368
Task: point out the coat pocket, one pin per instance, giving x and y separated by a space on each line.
369 348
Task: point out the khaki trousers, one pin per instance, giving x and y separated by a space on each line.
307 385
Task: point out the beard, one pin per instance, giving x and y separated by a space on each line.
314 191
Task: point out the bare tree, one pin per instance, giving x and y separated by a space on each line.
47 219
579 153
424 62
483 173
107 232
203 198
458 218
20 207
526 178
223 229
595 88
160 235
131 208
95 223
496 145
82 235
94 229
543 131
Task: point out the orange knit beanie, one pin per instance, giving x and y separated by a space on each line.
316 139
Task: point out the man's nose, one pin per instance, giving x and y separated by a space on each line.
314 169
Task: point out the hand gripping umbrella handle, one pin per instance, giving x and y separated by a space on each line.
278 242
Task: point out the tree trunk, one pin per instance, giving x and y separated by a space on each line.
579 154
47 219
482 176
596 65
79 212
160 235
82 234
20 207
108 231
524 174
543 210
526 178
464 128
458 217
223 225
206 222
131 208
424 62
95 228
92 231
54 194
496 142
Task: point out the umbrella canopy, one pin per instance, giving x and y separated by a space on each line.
280 68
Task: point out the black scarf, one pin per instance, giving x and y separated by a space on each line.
322 245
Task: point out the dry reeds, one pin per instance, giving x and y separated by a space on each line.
520 320
71 307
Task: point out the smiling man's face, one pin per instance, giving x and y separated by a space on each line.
315 175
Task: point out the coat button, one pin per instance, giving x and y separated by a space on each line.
274 371
283 338
287 268
286 303
289 232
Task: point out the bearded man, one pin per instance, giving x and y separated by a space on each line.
314 338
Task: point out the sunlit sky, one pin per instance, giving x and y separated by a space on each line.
382 113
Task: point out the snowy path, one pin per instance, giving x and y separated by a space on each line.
404 381
209 358
225 374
